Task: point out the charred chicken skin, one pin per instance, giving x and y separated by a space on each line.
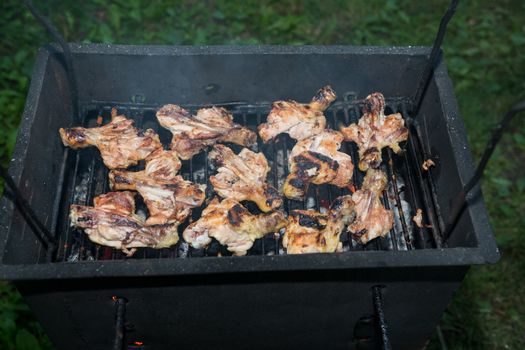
297 119
374 131
243 177
232 225
317 160
119 142
309 231
112 222
193 133
169 197
372 219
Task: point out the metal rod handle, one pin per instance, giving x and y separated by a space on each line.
68 58
461 199
434 56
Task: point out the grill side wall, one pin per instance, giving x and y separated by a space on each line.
168 75
38 159
305 307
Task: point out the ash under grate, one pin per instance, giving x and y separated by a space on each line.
409 187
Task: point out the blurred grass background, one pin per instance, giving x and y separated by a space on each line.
485 53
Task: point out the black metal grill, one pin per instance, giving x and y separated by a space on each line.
409 187
95 303
332 290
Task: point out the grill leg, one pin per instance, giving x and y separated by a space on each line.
379 311
120 314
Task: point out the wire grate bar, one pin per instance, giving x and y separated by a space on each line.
393 180
415 160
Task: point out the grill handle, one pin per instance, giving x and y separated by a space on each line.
461 199
68 58
435 54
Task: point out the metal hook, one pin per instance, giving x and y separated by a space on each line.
68 58
461 198
434 57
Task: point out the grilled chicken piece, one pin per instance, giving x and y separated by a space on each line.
243 177
418 218
169 197
112 222
309 231
119 142
193 133
317 160
297 119
232 225
375 131
372 220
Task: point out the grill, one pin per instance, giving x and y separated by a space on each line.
86 177
387 294
88 296
407 278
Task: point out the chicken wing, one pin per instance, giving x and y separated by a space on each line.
112 222
193 133
169 197
317 160
119 142
372 219
297 119
243 177
374 131
232 225
309 231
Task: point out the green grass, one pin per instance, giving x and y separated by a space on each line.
484 52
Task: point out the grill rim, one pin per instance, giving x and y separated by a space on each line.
356 260
485 252
180 50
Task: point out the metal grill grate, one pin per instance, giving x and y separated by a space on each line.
409 187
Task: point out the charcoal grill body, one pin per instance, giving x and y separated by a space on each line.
278 301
